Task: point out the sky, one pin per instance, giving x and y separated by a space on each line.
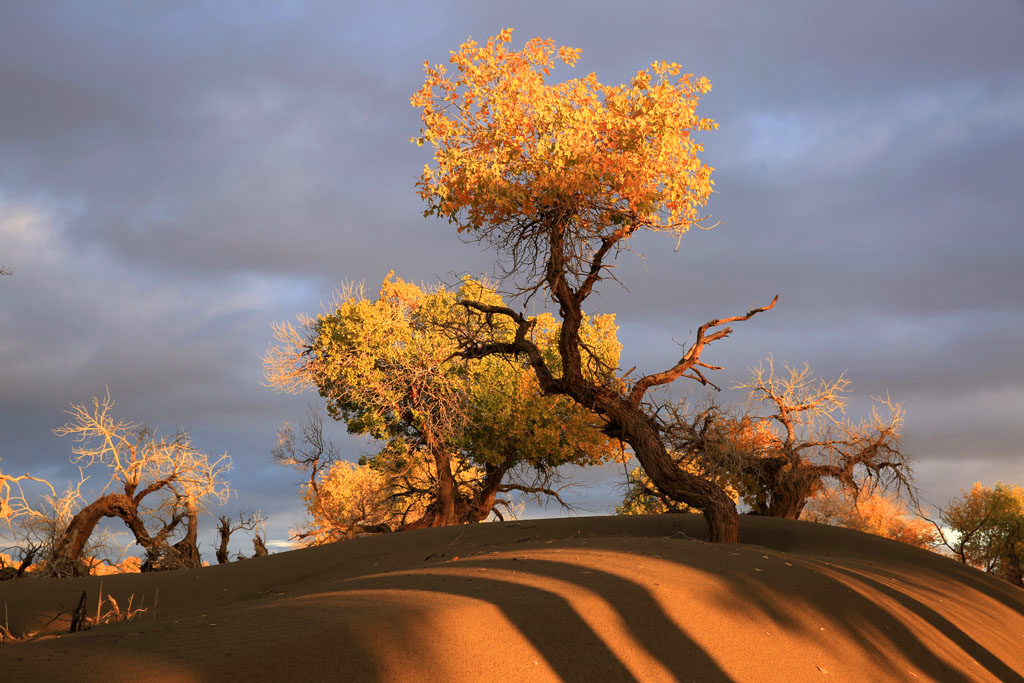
174 176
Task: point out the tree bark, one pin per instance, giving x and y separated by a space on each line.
781 492
443 512
787 505
186 551
638 429
224 531
182 555
627 417
68 556
479 508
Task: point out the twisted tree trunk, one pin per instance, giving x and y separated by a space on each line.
479 507
635 427
442 510
186 551
627 418
224 532
67 558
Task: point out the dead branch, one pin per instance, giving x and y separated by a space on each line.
691 359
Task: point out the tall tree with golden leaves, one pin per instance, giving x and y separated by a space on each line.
556 178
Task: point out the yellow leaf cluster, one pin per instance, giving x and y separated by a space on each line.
873 513
511 144
348 495
129 565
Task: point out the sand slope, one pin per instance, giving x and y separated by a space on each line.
584 599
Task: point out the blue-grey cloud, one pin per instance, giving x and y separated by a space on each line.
176 176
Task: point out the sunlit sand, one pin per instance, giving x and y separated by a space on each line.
593 598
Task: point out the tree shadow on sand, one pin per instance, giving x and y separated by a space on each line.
569 644
811 538
563 637
543 582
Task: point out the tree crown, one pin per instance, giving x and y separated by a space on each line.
388 367
513 152
988 525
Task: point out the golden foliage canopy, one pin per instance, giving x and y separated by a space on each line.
513 149
450 427
388 367
347 495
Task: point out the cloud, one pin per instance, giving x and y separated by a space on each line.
175 177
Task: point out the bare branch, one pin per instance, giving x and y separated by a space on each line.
541 491
692 355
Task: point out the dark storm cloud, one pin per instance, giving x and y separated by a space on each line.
175 176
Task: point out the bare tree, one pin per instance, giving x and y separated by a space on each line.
258 546
791 442
309 450
226 526
556 179
36 524
155 484
804 441
13 503
14 509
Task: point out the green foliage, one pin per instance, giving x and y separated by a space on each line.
389 368
988 526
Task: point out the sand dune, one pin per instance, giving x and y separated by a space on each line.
581 599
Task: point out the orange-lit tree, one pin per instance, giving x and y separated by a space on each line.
801 442
455 434
794 441
13 503
23 520
34 523
791 443
873 513
557 177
